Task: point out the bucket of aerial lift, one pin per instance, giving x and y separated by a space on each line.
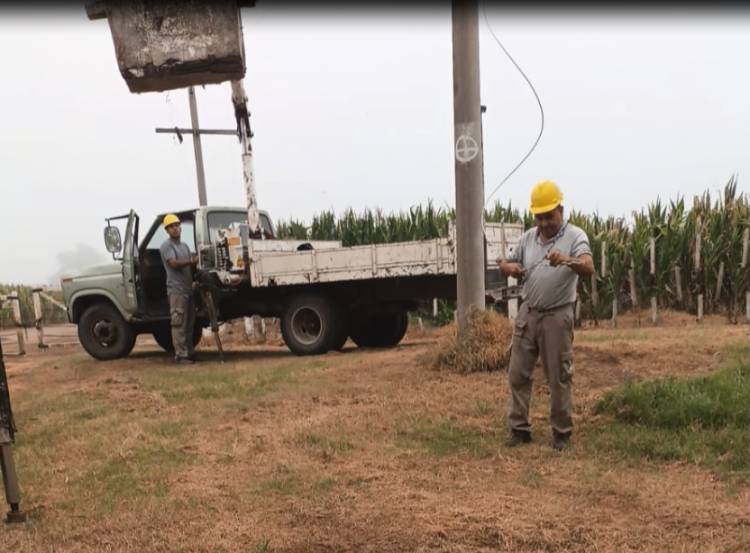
168 44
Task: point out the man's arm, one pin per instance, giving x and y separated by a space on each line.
583 264
512 265
511 268
169 257
179 264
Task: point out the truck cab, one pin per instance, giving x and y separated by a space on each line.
113 303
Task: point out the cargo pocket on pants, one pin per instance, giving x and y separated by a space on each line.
178 316
519 329
566 366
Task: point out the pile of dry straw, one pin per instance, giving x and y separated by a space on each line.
484 347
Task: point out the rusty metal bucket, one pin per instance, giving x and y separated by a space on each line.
163 45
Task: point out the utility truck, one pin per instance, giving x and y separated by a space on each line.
322 292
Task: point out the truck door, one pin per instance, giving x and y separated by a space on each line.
129 261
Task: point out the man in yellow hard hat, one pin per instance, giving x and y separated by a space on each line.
178 263
549 259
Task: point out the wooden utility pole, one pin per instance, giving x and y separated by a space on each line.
198 148
195 131
468 160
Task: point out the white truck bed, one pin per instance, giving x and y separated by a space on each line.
334 264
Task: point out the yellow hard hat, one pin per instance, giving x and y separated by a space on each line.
170 219
545 196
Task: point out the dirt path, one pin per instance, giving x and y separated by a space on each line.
362 451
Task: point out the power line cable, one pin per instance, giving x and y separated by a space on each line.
541 108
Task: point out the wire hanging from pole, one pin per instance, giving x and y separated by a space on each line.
541 108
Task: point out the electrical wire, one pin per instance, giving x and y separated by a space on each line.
541 108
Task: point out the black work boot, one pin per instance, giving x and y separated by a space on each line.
560 440
183 360
518 437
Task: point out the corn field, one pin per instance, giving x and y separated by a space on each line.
700 251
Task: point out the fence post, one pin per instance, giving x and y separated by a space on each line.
16 305
434 308
614 312
719 282
697 264
594 291
745 238
633 292
38 318
654 304
604 258
678 282
512 303
747 306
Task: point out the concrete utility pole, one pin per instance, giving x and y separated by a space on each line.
468 160
198 148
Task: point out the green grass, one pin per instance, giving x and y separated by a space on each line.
443 437
326 447
617 336
704 421
284 481
217 384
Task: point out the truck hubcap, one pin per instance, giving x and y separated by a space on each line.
306 325
105 332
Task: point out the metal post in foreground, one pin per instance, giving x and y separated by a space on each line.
7 466
202 200
468 160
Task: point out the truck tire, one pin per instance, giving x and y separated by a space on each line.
312 324
104 334
380 329
163 336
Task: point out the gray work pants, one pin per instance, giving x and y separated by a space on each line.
549 334
182 314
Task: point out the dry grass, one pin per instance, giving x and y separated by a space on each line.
484 347
361 451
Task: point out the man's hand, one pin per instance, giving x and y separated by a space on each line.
509 268
194 260
582 265
556 257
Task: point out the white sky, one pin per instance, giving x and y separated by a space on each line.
355 110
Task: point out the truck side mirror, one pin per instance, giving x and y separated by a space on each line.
112 240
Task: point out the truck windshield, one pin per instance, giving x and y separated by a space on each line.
222 219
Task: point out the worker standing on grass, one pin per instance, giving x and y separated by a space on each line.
178 262
548 259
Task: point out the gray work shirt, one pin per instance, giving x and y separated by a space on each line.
545 286
179 281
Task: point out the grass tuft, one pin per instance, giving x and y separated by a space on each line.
444 437
484 347
699 420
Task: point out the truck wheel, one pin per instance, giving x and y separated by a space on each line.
311 325
163 336
380 330
104 334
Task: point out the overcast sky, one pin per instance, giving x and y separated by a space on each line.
354 109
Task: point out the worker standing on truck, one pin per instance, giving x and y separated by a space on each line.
178 263
548 259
